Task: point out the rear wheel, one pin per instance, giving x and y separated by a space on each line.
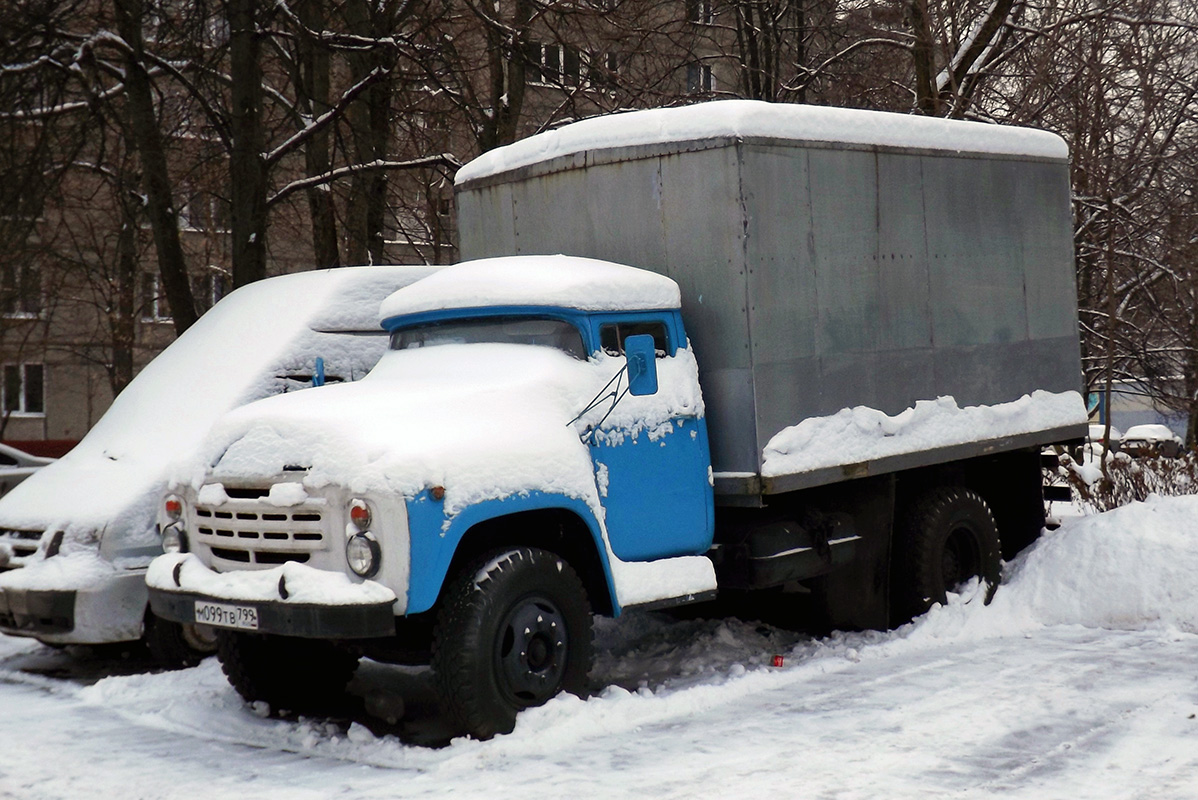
514 630
285 672
946 537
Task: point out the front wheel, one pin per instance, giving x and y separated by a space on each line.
513 631
947 537
285 672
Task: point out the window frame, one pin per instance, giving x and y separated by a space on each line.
24 385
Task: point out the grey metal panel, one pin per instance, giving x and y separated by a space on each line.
976 277
845 229
905 315
485 221
704 234
819 277
728 395
1047 244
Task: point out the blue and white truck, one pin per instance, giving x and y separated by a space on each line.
845 342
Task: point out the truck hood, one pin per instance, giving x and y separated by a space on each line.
482 420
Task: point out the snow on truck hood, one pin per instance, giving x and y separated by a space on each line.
585 284
757 119
231 356
483 420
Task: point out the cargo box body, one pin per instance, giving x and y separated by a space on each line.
820 275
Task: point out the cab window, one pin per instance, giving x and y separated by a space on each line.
613 334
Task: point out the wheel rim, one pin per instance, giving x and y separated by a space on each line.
530 652
961 559
201 638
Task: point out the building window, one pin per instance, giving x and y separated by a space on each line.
203 212
699 79
551 64
602 70
212 285
154 307
24 389
700 11
20 291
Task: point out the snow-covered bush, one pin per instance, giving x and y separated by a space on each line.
1128 479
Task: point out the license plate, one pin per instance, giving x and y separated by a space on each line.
223 616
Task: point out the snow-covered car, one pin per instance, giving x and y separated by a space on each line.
1151 440
17 465
82 530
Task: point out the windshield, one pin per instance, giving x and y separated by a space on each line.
506 330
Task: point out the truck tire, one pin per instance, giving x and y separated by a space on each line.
513 631
945 538
175 645
287 673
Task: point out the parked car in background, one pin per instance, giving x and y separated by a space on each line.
17 465
82 530
1095 446
1151 440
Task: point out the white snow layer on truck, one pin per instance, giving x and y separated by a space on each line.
855 435
233 354
754 119
414 422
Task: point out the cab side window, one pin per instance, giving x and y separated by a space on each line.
613 334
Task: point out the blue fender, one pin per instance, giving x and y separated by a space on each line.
433 542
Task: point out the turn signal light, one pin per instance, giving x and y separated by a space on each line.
359 514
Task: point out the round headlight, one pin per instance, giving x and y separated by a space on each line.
173 540
362 553
173 507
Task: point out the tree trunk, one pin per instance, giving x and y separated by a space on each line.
246 168
147 138
312 86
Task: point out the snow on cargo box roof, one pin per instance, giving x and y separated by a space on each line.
555 281
745 119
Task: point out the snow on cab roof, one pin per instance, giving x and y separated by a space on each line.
757 119
561 281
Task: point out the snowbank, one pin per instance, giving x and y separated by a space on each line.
563 281
853 435
1128 569
750 118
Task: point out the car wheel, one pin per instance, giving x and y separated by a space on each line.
513 631
946 537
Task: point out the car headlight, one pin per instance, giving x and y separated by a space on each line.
363 554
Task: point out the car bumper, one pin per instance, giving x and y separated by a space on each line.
312 621
110 610
289 600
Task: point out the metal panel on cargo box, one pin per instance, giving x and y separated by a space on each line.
704 234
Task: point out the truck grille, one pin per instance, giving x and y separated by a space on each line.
245 530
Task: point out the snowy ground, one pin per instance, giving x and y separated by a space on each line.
1079 681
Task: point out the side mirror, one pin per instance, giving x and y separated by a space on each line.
642 364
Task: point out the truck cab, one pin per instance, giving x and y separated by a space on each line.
531 448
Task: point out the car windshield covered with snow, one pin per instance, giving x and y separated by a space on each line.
542 331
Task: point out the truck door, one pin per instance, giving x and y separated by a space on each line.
654 484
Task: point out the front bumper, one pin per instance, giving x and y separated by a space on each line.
108 610
289 600
311 621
